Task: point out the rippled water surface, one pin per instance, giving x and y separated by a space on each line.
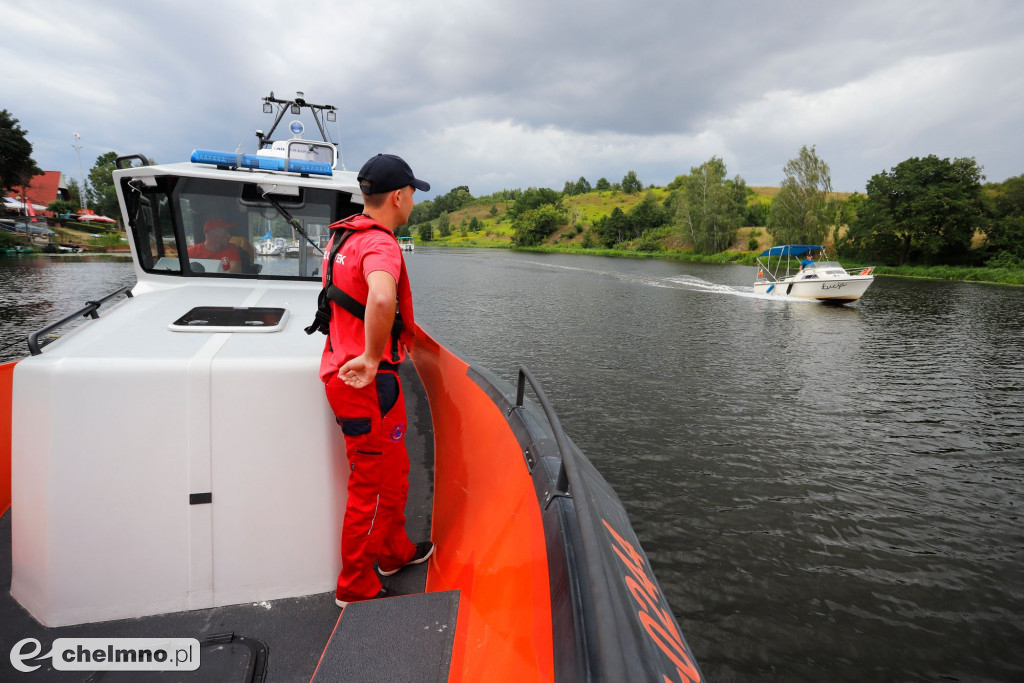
38 290
825 493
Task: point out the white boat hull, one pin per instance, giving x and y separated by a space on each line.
838 290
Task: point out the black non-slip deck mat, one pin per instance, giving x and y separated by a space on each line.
393 640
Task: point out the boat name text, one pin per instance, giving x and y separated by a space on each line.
656 619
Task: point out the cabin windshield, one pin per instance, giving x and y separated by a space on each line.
225 228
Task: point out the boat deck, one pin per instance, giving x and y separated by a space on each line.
275 641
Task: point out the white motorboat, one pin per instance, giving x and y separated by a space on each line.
406 243
273 246
780 274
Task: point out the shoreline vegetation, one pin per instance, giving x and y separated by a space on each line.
975 274
926 217
578 224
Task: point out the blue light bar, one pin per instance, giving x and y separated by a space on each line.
231 160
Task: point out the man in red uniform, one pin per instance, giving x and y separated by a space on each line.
359 367
217 245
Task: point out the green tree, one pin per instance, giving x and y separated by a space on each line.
101 192
474 224
422 212
1005 230
444 227
494 210
759 208
647 215
531 227
61 207
602 185
620 226
613 228
455 199
709 208
802 212
1009 197
631 184
75 192
533 198
16 164
923 207
426 232
850 208
582 186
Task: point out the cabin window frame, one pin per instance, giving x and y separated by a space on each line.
184 203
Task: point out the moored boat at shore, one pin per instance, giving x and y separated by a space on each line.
270 246
149 491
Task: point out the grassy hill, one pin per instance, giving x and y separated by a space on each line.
583 211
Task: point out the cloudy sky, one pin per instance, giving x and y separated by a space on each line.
498 94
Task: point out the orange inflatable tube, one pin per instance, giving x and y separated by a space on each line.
488 529
6 405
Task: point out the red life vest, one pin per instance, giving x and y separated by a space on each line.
359 246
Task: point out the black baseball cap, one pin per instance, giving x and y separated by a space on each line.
387 172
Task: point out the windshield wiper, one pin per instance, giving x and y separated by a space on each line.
291 220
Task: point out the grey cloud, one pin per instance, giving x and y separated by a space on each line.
592 89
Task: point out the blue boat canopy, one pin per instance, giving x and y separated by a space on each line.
791 250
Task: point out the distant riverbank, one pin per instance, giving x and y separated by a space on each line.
980 274
486 222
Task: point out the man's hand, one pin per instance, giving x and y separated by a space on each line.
358 372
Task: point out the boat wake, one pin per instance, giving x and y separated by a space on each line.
685 282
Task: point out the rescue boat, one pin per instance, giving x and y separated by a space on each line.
821 280
145 494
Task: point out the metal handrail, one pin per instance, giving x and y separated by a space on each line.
556 427
569 472
89 310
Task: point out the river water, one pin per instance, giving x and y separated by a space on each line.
824 493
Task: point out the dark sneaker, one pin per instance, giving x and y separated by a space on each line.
344 603
423 552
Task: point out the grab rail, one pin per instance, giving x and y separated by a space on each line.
568 473
560 438
89 310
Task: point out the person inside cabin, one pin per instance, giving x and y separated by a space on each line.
240 240
217 245
359 368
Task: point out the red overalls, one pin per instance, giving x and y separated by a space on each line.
373 418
